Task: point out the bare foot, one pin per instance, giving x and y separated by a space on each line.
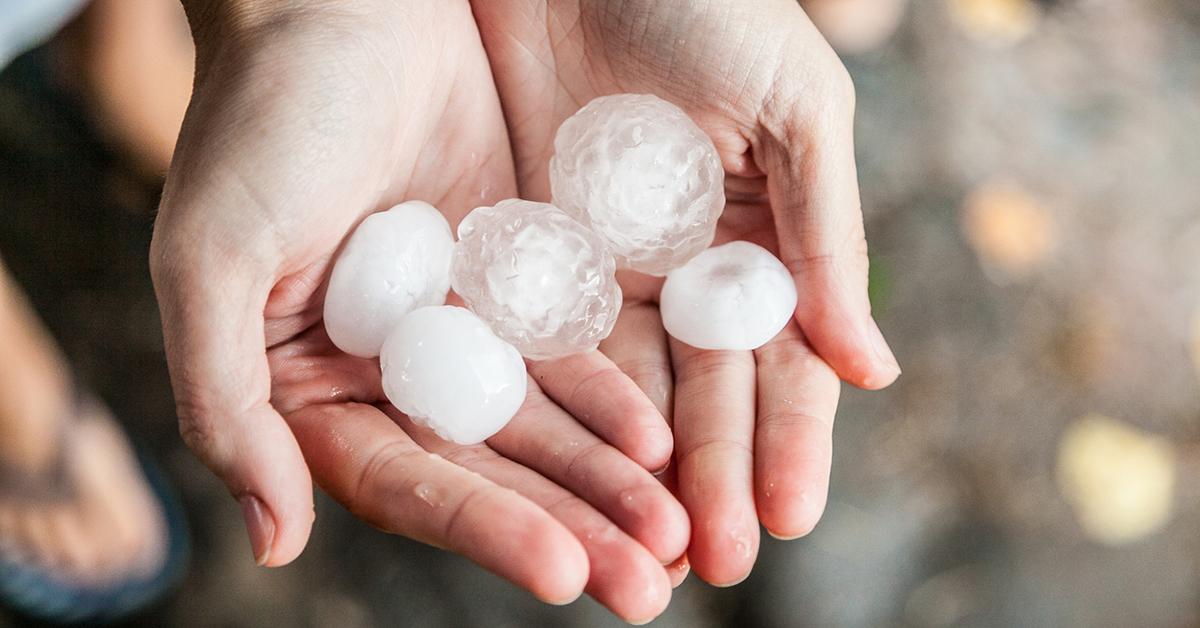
73 501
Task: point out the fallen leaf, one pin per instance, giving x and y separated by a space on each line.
995 22
1010 231
1119 480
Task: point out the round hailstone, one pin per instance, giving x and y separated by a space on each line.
736 296
636 169
445 369
544 282
394 262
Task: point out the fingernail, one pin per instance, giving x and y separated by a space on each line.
260 526
882 351
565 601
733 583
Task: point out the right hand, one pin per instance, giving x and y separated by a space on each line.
306 117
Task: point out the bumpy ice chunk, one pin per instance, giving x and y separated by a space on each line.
736 296
543 281
394 262
638 170
445 369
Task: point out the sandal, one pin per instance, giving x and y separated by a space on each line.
35 592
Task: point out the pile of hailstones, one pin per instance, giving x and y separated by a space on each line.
635 184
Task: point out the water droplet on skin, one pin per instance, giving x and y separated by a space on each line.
770 486
740 543
428 493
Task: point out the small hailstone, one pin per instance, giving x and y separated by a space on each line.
636 169
543 281
445 369
736 296
394 262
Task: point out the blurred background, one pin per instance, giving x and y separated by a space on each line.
1031 179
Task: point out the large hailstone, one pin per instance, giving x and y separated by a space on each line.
636 169
736 296
394 262
445 369
543 281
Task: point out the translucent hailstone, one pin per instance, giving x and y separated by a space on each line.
638 170
395 261
445 369
543 281
736 296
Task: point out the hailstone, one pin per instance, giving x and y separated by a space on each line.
445 369
395 261
736 296
636 169
543 281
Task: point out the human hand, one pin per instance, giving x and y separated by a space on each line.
307 117
753 429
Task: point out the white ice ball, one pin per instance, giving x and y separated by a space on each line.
636 169
445 369
395 261
542 280
736 296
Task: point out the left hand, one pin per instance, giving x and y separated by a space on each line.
752 429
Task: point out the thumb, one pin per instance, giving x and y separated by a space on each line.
215 345
808 154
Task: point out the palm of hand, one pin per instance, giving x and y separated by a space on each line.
752 430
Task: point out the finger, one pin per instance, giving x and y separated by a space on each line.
547 440
714 431
215 347
603 397
793 440
364 461
678 571
638 346
624 577
807 149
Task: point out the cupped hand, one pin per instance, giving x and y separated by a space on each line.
752 429
307 117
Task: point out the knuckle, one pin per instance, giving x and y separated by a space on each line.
646 370
716 446
579 462
795 421
706 365
198 430
469 456
592 383
462 512
786 354
390 462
